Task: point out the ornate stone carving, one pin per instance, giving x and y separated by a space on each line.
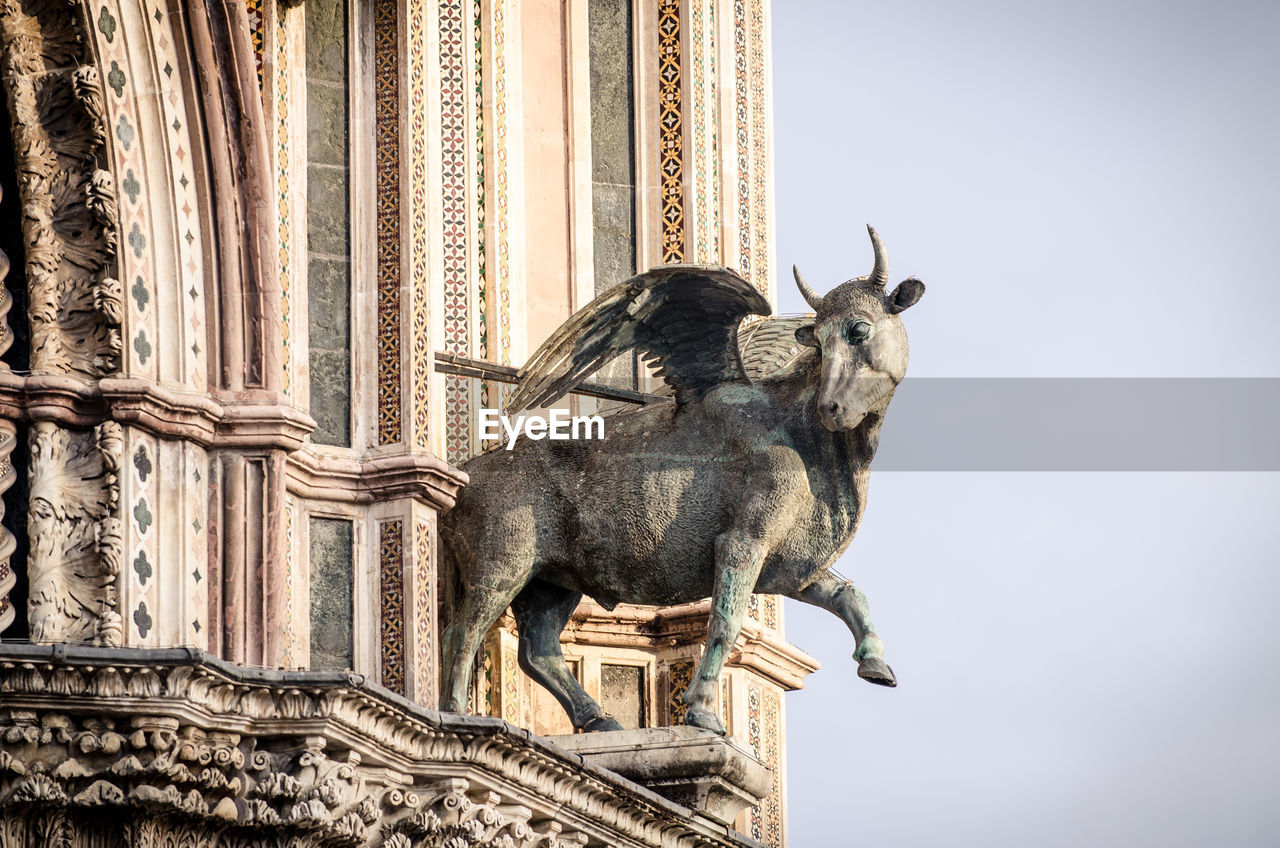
69 231
75 533
8 437
167 740
68 199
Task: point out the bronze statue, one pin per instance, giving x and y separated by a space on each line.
740 485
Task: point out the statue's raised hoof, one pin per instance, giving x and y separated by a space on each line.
601 723
877 671
704 719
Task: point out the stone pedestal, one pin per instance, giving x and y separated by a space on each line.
709 774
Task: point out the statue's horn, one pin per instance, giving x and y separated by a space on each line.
879 273
810 296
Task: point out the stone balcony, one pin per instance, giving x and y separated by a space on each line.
106 747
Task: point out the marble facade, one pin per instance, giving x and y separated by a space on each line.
165 482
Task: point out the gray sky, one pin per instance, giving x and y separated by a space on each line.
1088 189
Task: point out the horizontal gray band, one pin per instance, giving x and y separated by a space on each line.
1082 424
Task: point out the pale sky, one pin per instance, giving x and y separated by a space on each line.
1089 190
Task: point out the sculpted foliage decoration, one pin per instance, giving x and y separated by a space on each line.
185 755
76 537
75 304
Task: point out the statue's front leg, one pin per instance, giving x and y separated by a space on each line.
739 557
845 600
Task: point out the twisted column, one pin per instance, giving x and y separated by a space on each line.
8 436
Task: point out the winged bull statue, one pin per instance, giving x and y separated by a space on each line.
745 482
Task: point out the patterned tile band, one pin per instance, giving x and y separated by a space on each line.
424 581
741 114
391 580
759 151
418 39
680 675
671 144
284 181
482 261
771 807
387 144
454 219
257 34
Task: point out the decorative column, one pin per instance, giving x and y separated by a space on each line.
8 438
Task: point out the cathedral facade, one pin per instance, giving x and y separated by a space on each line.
264 264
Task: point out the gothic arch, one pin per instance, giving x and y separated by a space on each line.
153 392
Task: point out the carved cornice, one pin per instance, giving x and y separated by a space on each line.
166 412
758 649
321 757
347 479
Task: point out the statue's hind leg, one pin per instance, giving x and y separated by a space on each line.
542 610
480 608
847 601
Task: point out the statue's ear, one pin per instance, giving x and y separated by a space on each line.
905 295
806 337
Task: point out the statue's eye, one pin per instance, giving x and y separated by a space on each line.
857 331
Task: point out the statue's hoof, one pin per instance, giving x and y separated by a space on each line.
451 706
877 671
703 719
601 723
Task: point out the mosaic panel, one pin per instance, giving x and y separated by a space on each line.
771 752
759 151
284 207
726 704
702 46
502 222
741 118
424 584
510 684
713 48
679 676
387 147
391 612
287 656
455 223
756 818
671 143
157 207
188 336
132 206
163 583
142 560
196 531
418 38
481 240
483 697
257 33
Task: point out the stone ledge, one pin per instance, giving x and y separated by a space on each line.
174 738
708 773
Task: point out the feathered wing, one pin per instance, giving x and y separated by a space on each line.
684 318
770 345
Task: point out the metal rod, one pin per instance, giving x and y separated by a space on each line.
464 366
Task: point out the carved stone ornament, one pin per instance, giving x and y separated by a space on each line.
171 747
68 199
8 438
76 537
70 239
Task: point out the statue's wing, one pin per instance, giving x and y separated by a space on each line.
770 345
684 318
